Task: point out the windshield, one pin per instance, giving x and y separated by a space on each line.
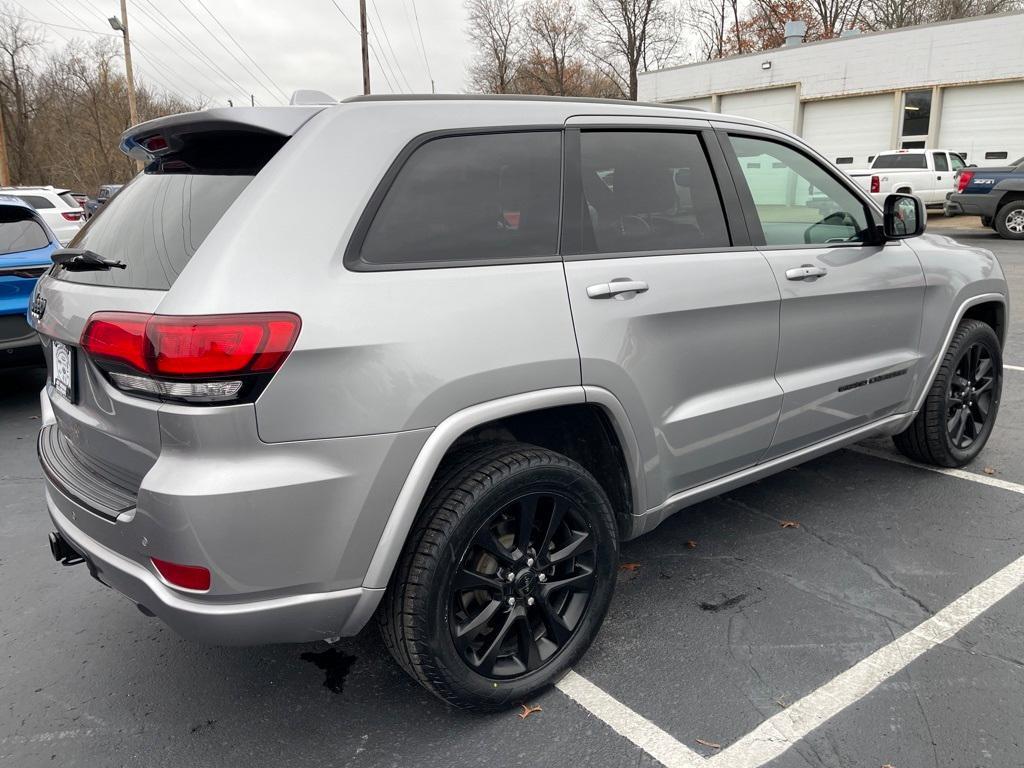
916 161
154 225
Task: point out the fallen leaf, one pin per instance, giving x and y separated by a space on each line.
691 544
528 710
710 744
888 765
728 602
789 524
989 471
781 703
631 567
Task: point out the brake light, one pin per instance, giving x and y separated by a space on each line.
963 180
196 358
71 215
185 576
876 185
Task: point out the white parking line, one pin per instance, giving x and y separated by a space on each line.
781 731
1014 367
995 482
624 721
778 733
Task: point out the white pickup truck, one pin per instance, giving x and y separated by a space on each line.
927 173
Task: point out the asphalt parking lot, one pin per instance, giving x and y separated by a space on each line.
747 609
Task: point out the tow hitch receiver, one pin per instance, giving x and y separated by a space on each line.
62 552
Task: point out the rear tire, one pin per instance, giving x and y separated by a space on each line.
505 579
1009 222
960 410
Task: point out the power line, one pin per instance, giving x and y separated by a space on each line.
387 40
242 49
143 25
228 50
182 38
373 50
345 17
423 48
69 13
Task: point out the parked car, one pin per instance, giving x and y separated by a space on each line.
927 173
105 192
81 198
25 247
523 331
58 208
995 194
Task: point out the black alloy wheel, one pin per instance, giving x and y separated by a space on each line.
522 586
969 395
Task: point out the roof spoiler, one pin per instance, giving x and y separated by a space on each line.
158 138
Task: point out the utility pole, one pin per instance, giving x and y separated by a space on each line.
366 46
121 25
5 168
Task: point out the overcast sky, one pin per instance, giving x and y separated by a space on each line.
297 43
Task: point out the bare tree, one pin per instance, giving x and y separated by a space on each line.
946 10
632 36
495 27
837 15
20 45
555 49
708 20
893 14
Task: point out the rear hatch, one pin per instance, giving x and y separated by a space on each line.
196 167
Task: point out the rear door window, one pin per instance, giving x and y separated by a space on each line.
470 199
154 225
941 163
648 191
36 201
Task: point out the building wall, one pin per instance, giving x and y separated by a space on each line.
846 96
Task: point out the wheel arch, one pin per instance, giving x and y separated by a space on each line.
583 423
992 305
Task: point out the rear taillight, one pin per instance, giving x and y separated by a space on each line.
191 358
876 185
193 577
963 180
72 215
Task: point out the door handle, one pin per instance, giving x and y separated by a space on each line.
620 288
805 271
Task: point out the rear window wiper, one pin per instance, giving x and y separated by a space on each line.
83 260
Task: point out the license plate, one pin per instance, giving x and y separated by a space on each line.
64 370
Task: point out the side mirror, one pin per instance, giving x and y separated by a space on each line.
904 217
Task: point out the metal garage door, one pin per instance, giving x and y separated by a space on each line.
704 104
980 119
776 106
849 131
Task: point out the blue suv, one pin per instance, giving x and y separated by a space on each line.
25 247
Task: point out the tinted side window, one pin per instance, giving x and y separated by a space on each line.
956 160
798 202
36 201
648 191
467 198
941 163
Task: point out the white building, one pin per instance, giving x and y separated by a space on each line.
955 85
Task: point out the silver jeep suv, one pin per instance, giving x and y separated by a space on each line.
430 360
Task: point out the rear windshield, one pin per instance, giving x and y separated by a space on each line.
154 225
900 161
19 233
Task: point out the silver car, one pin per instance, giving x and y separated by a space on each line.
428 361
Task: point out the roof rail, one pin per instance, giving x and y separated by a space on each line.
515 97
309 97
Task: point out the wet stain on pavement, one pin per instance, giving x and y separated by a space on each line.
729 602
335 664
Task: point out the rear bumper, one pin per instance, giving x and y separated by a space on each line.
971 205
295 618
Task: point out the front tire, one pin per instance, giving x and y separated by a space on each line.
505 579
960 410
1009 222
